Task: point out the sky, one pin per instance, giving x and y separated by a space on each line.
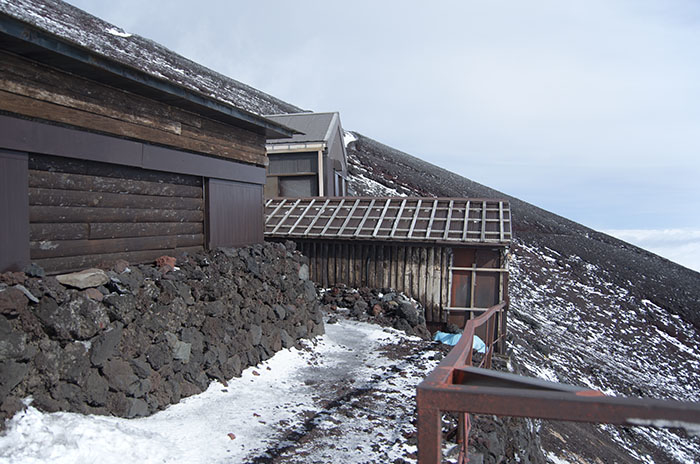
589 109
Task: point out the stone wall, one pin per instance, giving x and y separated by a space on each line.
383 306
150 335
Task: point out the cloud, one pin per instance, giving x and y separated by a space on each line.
587 108
679 245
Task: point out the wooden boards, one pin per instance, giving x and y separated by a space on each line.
418 271
87 214
37 91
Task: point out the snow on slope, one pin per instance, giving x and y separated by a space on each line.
347 397
571 324
582 313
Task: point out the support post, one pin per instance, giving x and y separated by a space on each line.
429 434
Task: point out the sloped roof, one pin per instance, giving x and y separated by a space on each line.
409 219
79 32
315 127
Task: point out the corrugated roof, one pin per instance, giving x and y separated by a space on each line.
316 127
436 220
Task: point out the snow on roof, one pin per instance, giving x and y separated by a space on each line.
80 28
435 220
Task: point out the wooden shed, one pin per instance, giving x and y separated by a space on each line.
311 163
448 253
112 146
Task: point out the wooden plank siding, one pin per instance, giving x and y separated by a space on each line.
36 91
421 271
78 220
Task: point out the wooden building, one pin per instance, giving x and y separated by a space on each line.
448 253
312 163
112 146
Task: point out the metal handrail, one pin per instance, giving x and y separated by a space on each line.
455 385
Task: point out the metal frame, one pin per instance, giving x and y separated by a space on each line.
455 385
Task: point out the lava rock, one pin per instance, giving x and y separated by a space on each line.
84 279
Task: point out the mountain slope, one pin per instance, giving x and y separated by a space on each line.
586 309
655 278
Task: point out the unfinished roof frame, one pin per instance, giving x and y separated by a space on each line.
448 253
479 222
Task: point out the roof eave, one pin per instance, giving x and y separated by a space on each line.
41 45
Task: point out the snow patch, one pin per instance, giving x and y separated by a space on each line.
118 32
262 409
348 138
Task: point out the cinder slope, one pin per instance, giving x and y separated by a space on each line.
586 309
651 277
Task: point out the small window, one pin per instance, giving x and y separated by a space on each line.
298 186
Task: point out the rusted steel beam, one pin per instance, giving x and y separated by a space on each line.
457 386
554 402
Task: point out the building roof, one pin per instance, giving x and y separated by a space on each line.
68 38
315 127
407 219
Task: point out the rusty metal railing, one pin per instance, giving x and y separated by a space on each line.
457 386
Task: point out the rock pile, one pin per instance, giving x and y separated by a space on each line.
383 306
149 335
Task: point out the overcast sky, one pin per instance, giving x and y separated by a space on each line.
590 109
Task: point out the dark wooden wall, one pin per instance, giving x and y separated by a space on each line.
40 92
422 271
85 213
419 271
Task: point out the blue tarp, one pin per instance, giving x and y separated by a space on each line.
451 339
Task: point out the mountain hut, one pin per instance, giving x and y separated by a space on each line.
112 146
450 254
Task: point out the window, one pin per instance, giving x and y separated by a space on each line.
292 175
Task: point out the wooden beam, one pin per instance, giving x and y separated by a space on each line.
284 218
65 248
274 212
116 185
398 219
415 218
53 197
466 221
325 205
483 221
301 216
53 214
332 218
432 218
447 222
364 218
41 83
74 263
349 217
500 217
381 217
26 106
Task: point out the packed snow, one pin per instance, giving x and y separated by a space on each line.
341 398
